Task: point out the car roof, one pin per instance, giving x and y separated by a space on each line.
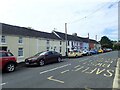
2 51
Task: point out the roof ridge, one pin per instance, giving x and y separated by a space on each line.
26 28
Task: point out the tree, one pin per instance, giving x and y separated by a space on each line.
116 46
106 42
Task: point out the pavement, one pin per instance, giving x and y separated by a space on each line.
90 72
119 73
116 82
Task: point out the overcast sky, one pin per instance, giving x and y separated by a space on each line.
96 17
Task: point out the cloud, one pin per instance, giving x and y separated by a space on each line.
45 15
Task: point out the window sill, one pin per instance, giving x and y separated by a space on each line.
3 43
20 56
20 43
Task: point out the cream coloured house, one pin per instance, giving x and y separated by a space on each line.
24 42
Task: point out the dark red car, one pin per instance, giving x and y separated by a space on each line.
43 58
7 61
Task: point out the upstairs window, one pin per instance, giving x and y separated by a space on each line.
3 40
60 49
68 43
60 42
72 44
20 40
54 48
48 42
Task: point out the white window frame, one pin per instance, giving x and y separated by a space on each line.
21 51
60 49
20 40
60 42
48 48
3 39
48 42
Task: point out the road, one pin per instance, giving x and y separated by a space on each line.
96 71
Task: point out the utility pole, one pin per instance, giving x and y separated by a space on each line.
96 43
66 38
96 37
88 42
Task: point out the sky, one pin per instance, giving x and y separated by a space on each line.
96 17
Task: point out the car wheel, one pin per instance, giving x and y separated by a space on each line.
41 62
76 56
59 59
10 67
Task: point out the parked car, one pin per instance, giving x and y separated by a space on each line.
43 58
86 53
74 53
108 49
94 51
100 51
8 62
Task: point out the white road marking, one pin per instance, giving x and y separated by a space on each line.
86 69
79 68
111 62
51 78
54 68
3 83
108 65
64 71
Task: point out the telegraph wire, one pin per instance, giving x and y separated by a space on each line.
89 15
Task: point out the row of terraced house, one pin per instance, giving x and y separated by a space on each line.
24 42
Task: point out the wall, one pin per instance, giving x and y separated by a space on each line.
31 46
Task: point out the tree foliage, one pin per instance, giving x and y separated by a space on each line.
116 46
106 42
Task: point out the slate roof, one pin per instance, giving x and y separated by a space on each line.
69 37
93 41
84 39
75 38
22 31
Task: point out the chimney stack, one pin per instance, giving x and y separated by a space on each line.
74 34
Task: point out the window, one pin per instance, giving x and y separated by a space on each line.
20 51
10 54
48 42
3 54
50 53
20 40
60 49
60 42
54 48
68 43
51 47
68 49
77 43
3 39
72 44
47 48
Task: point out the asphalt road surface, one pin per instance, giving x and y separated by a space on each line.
96 71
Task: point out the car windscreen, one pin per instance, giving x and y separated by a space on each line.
40 53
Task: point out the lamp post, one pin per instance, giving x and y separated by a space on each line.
66 38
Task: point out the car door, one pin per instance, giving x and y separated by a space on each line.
55 56
4 59
0 60
49 57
